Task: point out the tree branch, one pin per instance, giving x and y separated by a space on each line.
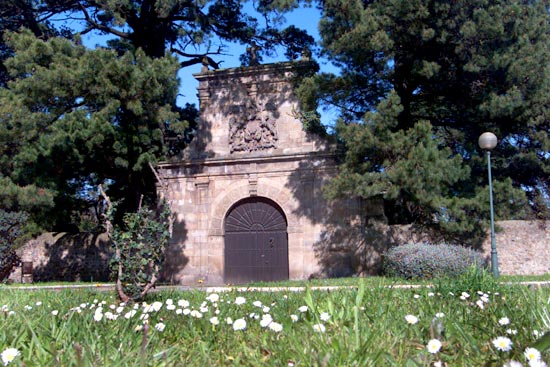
109 228
150 284
164 188
196 59
106 219
93 24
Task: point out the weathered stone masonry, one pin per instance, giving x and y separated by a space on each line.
250 144
250 148
523 249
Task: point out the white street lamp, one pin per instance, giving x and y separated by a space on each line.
488 141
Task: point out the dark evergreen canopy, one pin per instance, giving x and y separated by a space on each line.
73 118
420 81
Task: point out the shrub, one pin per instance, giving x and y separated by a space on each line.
419 260
139 251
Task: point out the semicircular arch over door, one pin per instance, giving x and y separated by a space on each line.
256 242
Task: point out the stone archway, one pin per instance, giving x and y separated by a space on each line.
256 242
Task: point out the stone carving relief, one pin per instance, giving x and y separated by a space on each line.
252 128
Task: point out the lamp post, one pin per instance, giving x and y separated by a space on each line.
488 141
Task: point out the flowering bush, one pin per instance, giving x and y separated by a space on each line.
421 260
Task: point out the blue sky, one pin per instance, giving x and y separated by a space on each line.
305 18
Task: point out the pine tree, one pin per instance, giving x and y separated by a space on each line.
194 31
420 81
74 118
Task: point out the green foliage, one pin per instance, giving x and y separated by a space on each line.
420 81
15 15
139 249
420 260
73 118
195 31
472 280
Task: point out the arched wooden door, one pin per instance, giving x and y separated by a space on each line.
256 242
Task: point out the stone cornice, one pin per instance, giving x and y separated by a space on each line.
248 160
245 71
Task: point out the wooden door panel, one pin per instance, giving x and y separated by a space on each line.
256 243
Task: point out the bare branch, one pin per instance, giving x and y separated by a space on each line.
197 59
92 23
109 227
164 187
150 284
108 223
119 288
140 202
157 176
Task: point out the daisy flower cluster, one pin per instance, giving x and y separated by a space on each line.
501 344
532 356
240 313
244 314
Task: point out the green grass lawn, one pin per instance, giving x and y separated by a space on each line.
375 281
371 325
370 281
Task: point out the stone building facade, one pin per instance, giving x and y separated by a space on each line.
247 192
247 195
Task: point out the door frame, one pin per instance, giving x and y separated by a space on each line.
249 222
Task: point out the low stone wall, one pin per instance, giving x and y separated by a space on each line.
523 249
66 257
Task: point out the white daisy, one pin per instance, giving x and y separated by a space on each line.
433 346
319 328
532 354
239 324
503 344
160 326
276 327
9 355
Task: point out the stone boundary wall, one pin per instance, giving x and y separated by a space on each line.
523 249
66 257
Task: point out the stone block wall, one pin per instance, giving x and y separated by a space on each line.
523 247
66 257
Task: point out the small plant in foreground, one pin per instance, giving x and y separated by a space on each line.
472 280
425 261
138 248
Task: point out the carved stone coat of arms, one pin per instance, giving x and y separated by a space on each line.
253 128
